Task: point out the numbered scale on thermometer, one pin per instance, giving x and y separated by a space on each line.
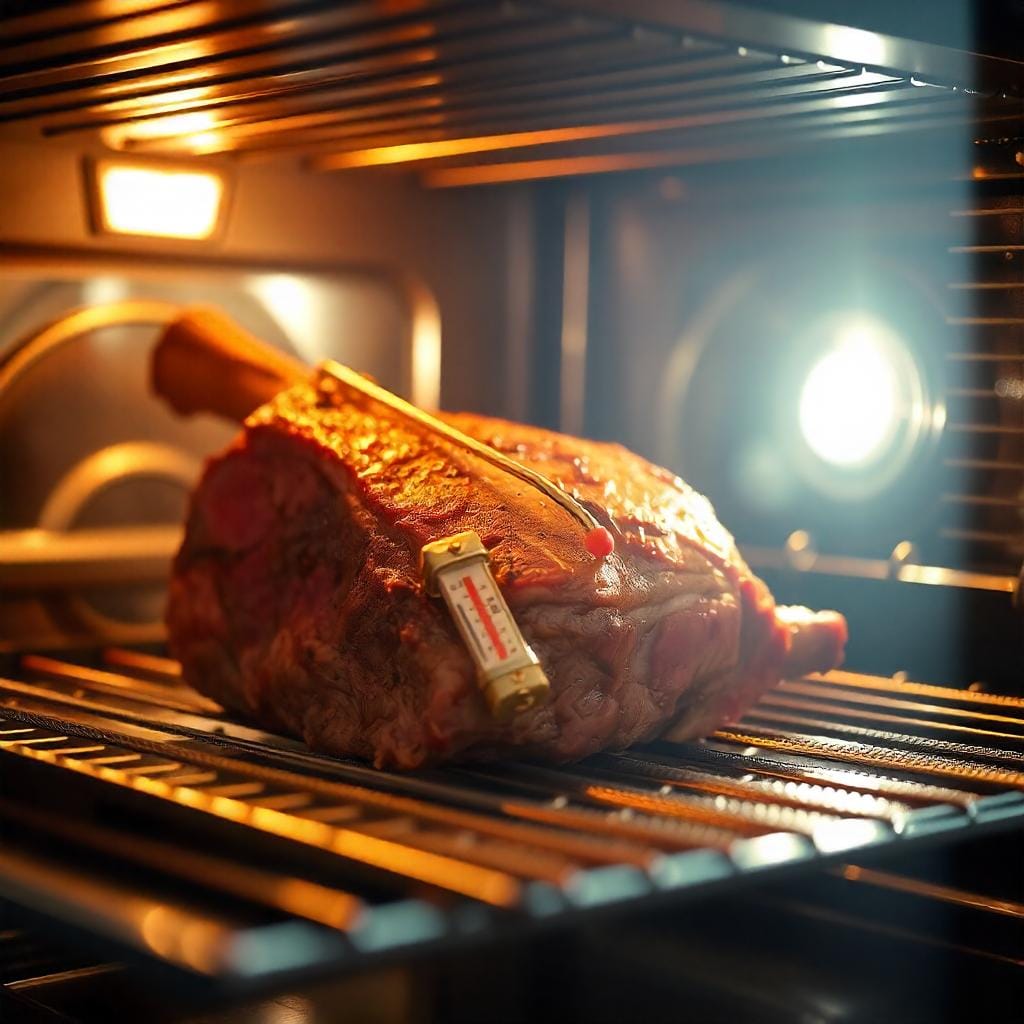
457 568
483 616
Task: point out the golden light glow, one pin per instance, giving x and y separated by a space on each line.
690 812
877 757
167 99
414 151
426 347
203 142
465 877
142 200
558 167
167 127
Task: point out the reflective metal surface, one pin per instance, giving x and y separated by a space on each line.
94 472
377 858
454 87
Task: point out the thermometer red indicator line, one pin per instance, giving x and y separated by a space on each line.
485 617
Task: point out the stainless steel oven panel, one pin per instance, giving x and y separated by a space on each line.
95 472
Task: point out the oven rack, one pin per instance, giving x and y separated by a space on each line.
476 91
144 818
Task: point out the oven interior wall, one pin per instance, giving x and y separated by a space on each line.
449 251
677 313
415 287
713 295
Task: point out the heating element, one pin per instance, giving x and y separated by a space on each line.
143 815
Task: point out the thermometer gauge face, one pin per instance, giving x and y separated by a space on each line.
458 569
482 616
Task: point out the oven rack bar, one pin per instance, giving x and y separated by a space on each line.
474 92
362 862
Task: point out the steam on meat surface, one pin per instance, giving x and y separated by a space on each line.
296 596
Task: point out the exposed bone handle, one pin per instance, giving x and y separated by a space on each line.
205 362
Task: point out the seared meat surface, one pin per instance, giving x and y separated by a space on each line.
297 600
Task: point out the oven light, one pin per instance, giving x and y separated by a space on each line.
850 402
168 203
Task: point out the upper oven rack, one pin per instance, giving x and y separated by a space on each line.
476 91
140 814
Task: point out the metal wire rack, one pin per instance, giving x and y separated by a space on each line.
186 837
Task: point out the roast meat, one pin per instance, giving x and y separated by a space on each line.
297 600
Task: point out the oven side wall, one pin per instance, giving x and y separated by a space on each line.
464 254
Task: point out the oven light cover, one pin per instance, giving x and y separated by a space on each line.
157 200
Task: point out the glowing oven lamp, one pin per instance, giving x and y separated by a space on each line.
850 402
135 199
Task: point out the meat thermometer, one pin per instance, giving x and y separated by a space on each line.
457 568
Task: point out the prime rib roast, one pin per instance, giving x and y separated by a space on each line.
297 598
